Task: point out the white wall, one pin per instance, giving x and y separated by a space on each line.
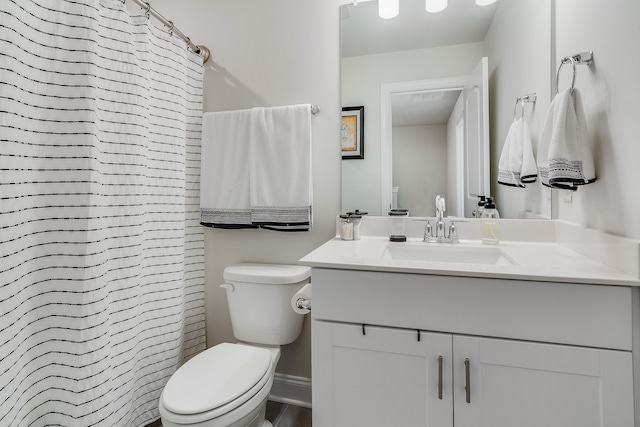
269 53
287 51
361 80
519 65
420 166
610 89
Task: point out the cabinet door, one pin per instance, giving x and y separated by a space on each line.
382 377
532 385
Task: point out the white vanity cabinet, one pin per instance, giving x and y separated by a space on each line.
384 377
525 384
396 349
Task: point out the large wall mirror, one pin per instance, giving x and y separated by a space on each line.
434 123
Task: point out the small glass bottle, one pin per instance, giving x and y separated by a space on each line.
398 225
490 224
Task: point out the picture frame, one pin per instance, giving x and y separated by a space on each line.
352 133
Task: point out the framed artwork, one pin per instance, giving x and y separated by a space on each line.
352 134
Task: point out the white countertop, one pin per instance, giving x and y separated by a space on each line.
537 261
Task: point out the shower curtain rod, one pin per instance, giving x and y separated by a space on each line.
199 49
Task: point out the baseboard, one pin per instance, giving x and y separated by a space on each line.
291 390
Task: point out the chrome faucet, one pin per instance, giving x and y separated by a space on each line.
439 234
440 209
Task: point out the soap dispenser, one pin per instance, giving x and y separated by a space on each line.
481 203
490 224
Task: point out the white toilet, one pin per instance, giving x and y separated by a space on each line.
228 385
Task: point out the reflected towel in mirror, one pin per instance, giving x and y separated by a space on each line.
517 165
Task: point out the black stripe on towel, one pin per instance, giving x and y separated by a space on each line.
286 228
568 183
510 184
265 226
228 226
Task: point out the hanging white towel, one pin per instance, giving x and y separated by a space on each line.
565 140
529 169
517 164
280 168
508 169
224 176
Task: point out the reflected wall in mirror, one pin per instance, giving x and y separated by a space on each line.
417 46
450 157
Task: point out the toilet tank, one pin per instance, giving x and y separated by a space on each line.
259 297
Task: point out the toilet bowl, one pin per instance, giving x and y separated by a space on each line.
224 386
228 385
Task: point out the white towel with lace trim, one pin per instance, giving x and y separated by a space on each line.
517 165
565 159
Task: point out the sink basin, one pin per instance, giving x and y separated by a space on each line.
457 254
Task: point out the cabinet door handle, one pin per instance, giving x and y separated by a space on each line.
440 377
467 375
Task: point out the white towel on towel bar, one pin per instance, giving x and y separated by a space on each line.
256 169
564 157
517 165
224 170
280 165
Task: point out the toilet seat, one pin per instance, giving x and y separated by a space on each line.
217 381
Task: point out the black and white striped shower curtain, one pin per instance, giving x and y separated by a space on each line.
101 251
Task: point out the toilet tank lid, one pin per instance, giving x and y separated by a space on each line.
273 274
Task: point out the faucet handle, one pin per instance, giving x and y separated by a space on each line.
428 232
453 231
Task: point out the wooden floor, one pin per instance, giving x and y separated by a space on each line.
283 415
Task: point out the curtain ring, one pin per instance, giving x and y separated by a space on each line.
171 28
566 60
148 12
